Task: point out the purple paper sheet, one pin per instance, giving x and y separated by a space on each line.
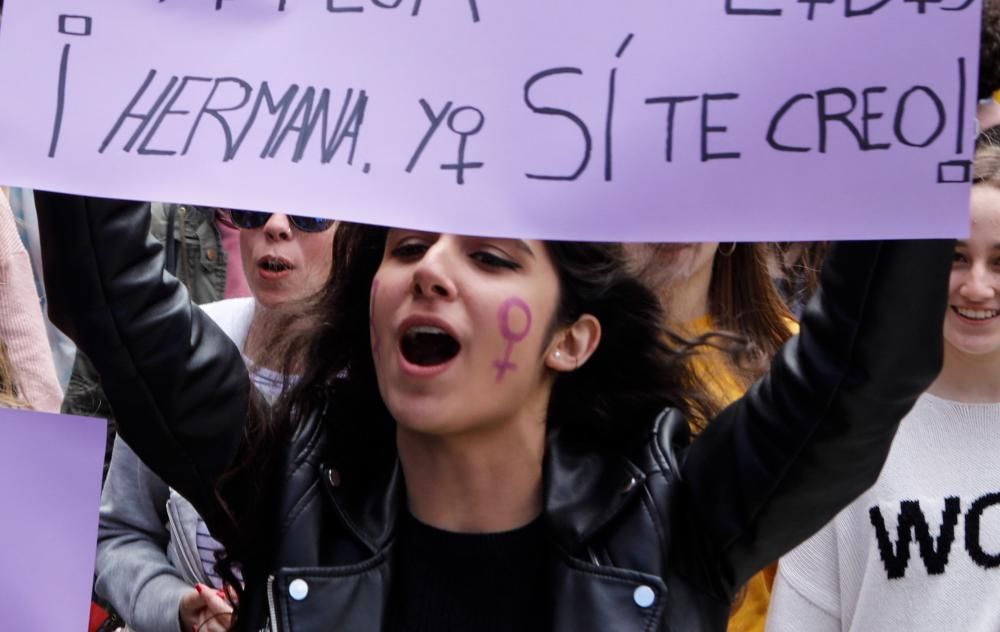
641 120
50 489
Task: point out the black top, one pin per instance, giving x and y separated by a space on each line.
461 582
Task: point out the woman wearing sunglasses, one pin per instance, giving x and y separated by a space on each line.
155 554
476 442
284 256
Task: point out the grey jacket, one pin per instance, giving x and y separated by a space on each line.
147 548
147 554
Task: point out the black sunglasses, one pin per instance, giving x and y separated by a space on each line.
251 220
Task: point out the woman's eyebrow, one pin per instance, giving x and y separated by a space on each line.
961 243
523 245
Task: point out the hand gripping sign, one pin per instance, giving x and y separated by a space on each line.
572 119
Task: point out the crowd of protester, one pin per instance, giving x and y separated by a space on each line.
679 430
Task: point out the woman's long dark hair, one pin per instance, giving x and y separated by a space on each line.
606 405
798 265
989 57
742 300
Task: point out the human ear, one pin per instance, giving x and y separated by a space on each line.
573 345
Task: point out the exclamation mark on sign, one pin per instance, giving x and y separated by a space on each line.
76 25
958 171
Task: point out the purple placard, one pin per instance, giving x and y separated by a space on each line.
633 120
50 489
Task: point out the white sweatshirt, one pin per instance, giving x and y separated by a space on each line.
920 550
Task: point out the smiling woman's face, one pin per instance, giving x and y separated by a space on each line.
459 330
972 324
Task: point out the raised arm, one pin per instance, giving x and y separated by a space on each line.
813 434
177 384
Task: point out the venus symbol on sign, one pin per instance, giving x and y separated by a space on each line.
511 336
464 121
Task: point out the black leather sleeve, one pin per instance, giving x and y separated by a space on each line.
178 386
813 434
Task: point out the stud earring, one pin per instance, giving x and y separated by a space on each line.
556 355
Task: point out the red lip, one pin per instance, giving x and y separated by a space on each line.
273 267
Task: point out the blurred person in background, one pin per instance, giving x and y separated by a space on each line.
22 330
203 250
723 296
155 556
989 66
8 390
63 350
795 267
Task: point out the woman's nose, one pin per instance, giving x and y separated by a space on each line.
433 273
980 284
278 228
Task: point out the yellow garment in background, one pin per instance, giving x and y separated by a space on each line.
712 368
715 372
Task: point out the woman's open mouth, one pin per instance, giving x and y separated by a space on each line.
975 315
272 267
428 346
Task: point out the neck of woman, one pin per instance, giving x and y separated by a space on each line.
686 299
259 335
967 377
488 480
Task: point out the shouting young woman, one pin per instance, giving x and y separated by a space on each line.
491 434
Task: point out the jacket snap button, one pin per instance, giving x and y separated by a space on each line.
298 589
630 485
334 477
644 596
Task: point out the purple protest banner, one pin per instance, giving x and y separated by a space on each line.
575 119
50 489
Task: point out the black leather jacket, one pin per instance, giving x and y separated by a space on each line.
660 539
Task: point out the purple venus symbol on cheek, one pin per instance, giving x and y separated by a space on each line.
371 317
509 335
